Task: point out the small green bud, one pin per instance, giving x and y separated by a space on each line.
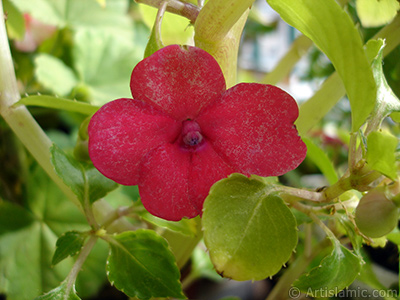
376 215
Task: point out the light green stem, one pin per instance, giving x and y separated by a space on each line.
73 274
19 119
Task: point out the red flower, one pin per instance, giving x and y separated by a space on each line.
183 131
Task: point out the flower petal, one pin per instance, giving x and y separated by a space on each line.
175 182
251 126
122 132
163 185
207 167
178 80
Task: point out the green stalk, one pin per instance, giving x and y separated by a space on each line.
19 119
218 29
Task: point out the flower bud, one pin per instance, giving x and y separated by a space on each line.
376 215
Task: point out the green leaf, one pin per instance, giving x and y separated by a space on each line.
104 63
28 237
141 265
15 21
381 147
332 30
335 272
59 103
79 14
63 292
386 101
69 244
321 160
375 13
54 75
84 179
244 222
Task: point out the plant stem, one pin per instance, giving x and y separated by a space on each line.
186 10
20 120
73 274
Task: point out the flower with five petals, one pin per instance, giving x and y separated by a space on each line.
183 131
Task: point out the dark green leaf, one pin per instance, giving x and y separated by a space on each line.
141 265
28 237
335 272
63 292
244 222
84 179
69 244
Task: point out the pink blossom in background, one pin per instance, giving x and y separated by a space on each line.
183 131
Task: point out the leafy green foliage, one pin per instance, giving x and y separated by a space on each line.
335 272
374 13
332 30
63 292
69 244
243 221
28 236
83 178
54 74
78 14
381 148
141 265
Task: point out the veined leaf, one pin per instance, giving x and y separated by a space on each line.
141 265
83 178
332 30
335 272
69 244
244 222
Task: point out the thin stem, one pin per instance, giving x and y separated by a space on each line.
115 215
186 10
303 194
353 151
73 274
20 120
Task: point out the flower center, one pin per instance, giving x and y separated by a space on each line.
191 134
